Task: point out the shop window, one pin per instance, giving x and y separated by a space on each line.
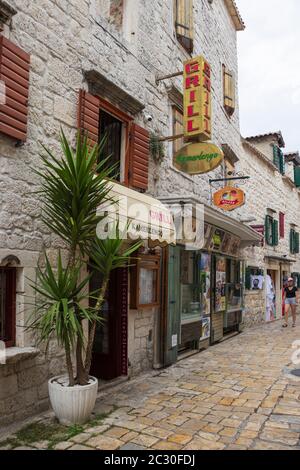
294 242
177 129
145 282
7 305
229 90
279 159
184 23
271 231
190 286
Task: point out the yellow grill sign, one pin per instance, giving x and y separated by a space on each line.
198 158
197 99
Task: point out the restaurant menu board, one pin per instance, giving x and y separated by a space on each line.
147 286
221 242
220 297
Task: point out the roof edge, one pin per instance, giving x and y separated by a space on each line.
235 15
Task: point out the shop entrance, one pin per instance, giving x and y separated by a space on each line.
109 359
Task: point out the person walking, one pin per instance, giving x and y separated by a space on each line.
290 301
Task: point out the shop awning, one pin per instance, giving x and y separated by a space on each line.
216 218
142 217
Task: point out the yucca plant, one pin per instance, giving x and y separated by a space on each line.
73 186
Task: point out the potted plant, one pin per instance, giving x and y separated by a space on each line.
72 189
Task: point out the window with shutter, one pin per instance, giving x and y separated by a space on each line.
294 242
8 305
275 233
14 73
281 225
297 243
297 176
229 90
88 116
177 129
184 24
279 159
269 230
139 157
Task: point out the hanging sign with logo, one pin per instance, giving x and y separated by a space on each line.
198 158
229 198
197 99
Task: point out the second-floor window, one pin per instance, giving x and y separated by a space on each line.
271 231
229 90
177 129
278 159
294 242
184 23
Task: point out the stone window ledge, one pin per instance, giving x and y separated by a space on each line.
14 355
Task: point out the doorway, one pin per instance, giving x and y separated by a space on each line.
110 352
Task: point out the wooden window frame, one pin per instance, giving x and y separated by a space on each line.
149 262
127 122
10 306
186 41
229 90
176 109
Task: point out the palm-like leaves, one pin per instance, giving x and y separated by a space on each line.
72 190
59 310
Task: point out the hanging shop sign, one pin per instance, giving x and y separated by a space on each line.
229 198
197 99
198 158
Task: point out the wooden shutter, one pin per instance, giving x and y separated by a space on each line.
296 243
275 233
269 230
279 159
248 278
229 90
139 157
292 241
184 23
297 176
281 225
88 116
14 72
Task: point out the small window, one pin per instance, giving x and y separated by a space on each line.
229 90
279 159
7 305
294 242
271 231
184 23
229 168
177 129
111 130
145 282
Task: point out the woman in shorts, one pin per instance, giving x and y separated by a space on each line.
290 301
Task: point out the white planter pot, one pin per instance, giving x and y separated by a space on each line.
72 405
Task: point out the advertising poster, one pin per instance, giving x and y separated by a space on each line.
205 267
220 304
205 328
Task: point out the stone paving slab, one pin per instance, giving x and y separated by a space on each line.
234 396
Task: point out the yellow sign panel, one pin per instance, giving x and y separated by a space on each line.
198 158
197 99
229 198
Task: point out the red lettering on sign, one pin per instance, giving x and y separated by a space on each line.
193 96
206 69
192 81
191 112
190 126
192 67
207 83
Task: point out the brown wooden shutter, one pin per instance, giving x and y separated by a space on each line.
281 225
88 116
184 23
14 72
139 157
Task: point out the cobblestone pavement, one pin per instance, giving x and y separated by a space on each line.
236 395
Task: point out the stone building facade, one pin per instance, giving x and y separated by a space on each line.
126 45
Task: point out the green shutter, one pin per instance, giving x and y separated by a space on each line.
282 162
292 241
276 156
275 233
297 243
248 278
269 230
297 176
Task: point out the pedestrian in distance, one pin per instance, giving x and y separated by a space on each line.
290 301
